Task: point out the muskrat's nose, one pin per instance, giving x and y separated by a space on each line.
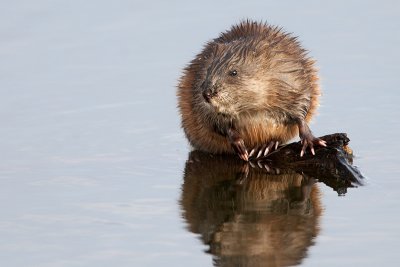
207 94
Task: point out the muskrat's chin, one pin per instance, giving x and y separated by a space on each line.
221 110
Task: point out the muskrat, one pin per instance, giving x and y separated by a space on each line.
251 89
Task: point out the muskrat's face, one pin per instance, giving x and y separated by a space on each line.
231 80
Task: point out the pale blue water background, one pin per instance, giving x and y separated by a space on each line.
91 151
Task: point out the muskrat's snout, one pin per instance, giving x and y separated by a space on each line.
209 90
208 94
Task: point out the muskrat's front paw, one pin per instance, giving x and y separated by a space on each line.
310 141
264 150
240 149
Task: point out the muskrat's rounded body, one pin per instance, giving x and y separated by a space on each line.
252 87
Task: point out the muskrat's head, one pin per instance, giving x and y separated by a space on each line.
231 78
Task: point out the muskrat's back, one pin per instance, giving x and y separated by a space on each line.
249 90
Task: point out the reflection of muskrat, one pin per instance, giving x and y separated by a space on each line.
252 87
246 216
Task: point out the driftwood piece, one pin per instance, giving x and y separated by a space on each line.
331 165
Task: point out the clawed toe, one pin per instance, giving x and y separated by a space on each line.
243 155
263 151
310 142
322 142
241 150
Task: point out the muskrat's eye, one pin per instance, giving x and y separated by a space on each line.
233 73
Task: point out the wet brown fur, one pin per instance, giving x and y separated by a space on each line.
277 87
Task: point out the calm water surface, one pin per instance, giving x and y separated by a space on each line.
94 167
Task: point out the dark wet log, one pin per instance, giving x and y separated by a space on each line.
331 165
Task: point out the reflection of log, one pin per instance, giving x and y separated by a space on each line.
330 165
